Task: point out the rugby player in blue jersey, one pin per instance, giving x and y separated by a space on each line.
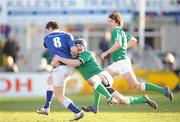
62 44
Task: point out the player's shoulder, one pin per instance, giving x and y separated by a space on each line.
69 35
117 29
88 52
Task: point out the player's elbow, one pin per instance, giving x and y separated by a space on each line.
76 63
134 41
117 44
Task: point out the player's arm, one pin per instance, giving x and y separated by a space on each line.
114 47
69 62
44 44
117 39
71 43
132 42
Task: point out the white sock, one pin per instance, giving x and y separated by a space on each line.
128 101
96 84
143 86
50 88
66 102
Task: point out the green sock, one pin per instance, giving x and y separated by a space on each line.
102 90
136 100
149 86
96 98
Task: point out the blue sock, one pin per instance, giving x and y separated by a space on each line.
71 106
49 95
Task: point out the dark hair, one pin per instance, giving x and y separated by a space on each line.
52 24
116 16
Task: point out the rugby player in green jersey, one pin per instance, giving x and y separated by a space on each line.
121 65
87 65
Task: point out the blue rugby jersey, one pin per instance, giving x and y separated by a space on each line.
59 43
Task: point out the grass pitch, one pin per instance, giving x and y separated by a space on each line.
24 110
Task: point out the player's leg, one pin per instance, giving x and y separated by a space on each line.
95 105
126 100
59 83
95 81
124 68
133 82
107 81
49 95
68 103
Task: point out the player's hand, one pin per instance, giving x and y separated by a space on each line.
56 58
55 64
56 61
104 55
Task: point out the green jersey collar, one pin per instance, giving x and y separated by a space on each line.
116 28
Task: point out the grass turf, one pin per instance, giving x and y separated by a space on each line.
24 110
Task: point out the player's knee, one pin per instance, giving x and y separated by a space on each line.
91 83
106 78
61 98
126 101
49 81
123 100
140 86
136 86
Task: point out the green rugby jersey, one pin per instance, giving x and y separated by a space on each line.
119 34
89 66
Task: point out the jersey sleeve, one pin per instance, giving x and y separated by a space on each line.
70 39
44 43
129 37
85 57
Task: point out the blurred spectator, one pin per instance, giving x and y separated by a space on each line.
1 53
104 45
11 66
11 47
45 62
47 56
169 61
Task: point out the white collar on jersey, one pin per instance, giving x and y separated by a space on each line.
55 31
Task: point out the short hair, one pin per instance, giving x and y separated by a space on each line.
116 16
52 24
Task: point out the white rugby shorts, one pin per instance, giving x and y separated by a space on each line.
61 74
121 66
